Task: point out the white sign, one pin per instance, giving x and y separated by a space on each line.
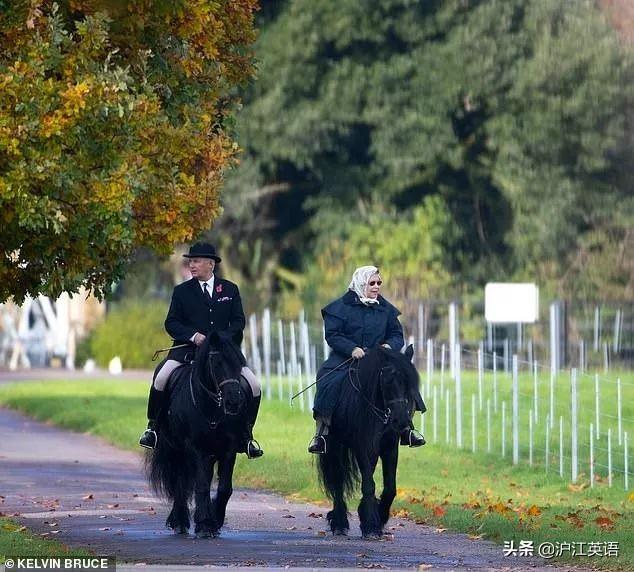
506 303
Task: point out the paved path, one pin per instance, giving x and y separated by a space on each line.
79 490
56 374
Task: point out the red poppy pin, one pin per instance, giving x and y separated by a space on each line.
219 288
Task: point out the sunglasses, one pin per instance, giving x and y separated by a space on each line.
377 282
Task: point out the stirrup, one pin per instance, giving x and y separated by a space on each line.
413 439
257 450
147 434
314 447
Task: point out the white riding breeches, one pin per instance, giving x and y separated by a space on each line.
163 375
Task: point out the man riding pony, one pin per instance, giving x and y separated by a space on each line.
201 306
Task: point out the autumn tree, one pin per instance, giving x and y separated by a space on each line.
114 132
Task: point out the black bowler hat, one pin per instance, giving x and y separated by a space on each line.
202 250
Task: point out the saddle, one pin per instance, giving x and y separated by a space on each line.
181 375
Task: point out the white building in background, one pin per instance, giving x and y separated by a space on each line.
43 332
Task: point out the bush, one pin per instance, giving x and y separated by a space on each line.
133 330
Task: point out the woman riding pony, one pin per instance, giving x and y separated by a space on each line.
360 320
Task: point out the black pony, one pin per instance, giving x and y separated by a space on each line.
204 423
376 403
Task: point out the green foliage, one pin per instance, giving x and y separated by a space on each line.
112 133
132 330
515 113
409 250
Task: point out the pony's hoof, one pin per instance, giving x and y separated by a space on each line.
372 536
340 532
206 534
181 530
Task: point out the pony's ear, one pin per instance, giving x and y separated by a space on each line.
409 352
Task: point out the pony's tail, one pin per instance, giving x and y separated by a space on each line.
170 472
338 471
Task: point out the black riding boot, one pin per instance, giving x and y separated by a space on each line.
252 447
154 406
412 438
319 443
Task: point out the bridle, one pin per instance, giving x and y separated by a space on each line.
383 415
216 397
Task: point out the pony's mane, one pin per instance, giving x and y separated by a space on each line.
229 350
352 406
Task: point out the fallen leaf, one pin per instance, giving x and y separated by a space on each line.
105 528
288 516
113 505
534 511
475 536
440 530
425 566
88 497
439 511
604 522
576 488
316 515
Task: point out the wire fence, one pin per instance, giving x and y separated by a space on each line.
572 422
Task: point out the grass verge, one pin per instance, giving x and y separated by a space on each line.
17 541
479 494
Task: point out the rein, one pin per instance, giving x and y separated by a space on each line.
320 378
216 398
383 415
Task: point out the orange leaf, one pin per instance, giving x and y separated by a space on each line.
439 511
604 522
534 511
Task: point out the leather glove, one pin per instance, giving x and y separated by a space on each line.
199 339
358 353
386 346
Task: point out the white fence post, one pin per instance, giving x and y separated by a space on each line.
609 457
516 412
573 425
625 463
530 438
453 338
547 448
596 403
619 410
535 394
473 422
480 375
266 343
503 429
561 446
447 417
495 382
458 375
591 456
434 405
280 345
488 425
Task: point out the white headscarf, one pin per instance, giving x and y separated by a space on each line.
360 278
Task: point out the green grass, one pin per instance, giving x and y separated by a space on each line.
438 485
16 541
